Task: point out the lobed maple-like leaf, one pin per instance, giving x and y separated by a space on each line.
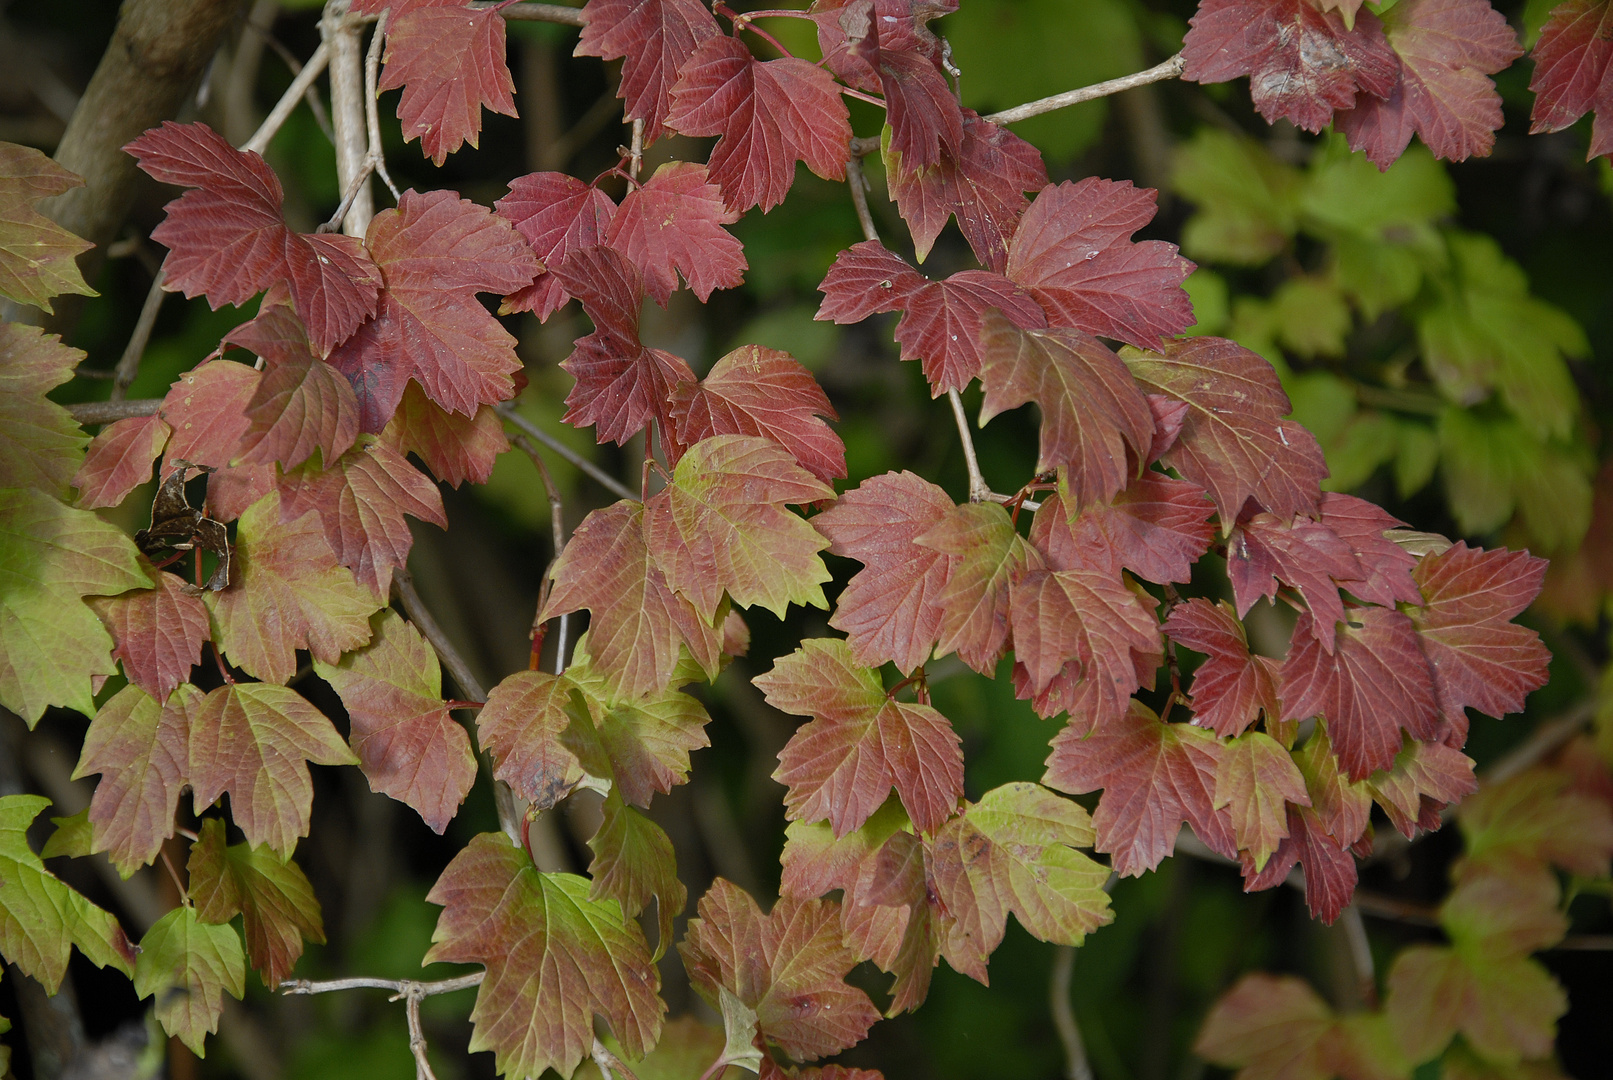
297 409
51 643
41 919
653 39
254 741
1330 871
449 60
554 957
1343 806
1015 851
1265 552
637 624
1073 253
983 184
407 744
40 443
721 527
226 238
621 384
436 251
673 224
891 609
556 214
1234 442
1233 686
788 967
1157 528
141 748
1374 682
860 743
1479 657
272 895
765 392
1507 1008
187 965
522 726
1303 62
119 459
1426 776
1094 418
767 114
1255 782
454 447
157 633
206 410
1574 71
1155 776
1534 818
37 256
985 555
1386 566
920 107
634 863
941 320
288 592
1275 1027
1446 50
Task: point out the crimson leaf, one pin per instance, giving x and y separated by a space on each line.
1572 62
449 59
673 224
653 39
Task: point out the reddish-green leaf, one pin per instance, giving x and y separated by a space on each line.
1265 552
1274 1027
860 743
455 448
407 744
1572 61
721 526
1157 528
255 741
1255 782
158 632
1235 441
557 214
633 864
521 726
1095 421
449 59
1343 806
206 408
1155 776
555 959
287 593
986 556
1534 817
789 967
653 39
1506 1008
40 444
36 254
299 408
119 460
141 748
672 225
227 240
1014 851
1330 872
1504 911
769 114
187 965
271 894
1233 686
890 610
1427 776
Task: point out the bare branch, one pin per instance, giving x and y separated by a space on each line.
426 623
1170 69
1544 741
609 1063
129 363
105 412
605 479
372 105
342 33
635 150
859 197
399 987
979 490
1076 1066
300 87
557 528
554 13
1355 936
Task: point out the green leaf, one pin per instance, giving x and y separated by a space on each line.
1378 275
739 1028
51 643
633 864
71 839
1416 457
41 919
41 445
555 959
36 254
1256 781
272 895
1247 199
1506 1007
1494 466
1310 317
1275 1027
187 965
1346 194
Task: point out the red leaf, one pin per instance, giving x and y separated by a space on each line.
891 609
621 385
1387 566
407 744
436 252
920 108
1572 61
1330 872
653 39
119 460
860 743
987 555
449 59
903 24
1257 778
141 749
983 184
1446 48
673 225
788 967
764 392
1264 553
638 623
1157 528
557 214
522 726
159 632
1424 772
206 408
1233 686
1375 682
274 333
1083 617
298 408
1154 776
361 499
1073 252
1343 806
455 448
1234 440
1479 657
226 238
769 114
1092 411
1302 62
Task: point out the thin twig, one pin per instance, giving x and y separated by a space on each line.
979 490
315 106
609 1062
557 529
1544 741
399 987
859 197
342 32
1076 1066
605 479
555 13
105 412
372 105
301 85
426 623
635 152
129 363
1170 69
1355 936
417 1037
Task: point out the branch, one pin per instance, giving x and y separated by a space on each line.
557 528
609 1062
105 412
399 987
1170 69
420 615
1076 1066
302 86
858 183
605 479
554 13
129 363
341 33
